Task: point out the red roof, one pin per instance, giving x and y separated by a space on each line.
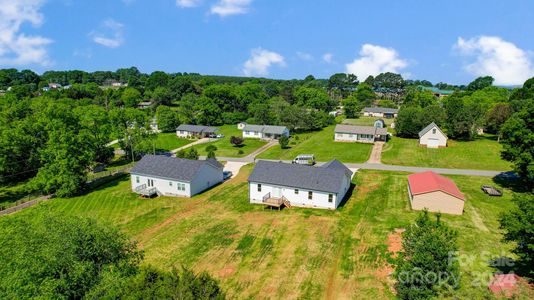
426 182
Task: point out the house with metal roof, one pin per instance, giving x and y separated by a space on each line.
432 137
189 131
171 176
436 193
361 134
278 184
264 131
381 112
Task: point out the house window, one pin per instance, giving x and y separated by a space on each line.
180 186
256 133
150 182
434 131
310 195
259 187
330 198
247 132
170 183
296 191
137 179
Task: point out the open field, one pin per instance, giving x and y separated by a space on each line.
482 154
225 149
321 143
293 253
169 141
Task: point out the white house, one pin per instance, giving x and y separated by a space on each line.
381 112
188 131
380 124
171 176
279 184
362 134
432 137
264 131
241 125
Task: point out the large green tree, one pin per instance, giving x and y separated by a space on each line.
424 267
518 140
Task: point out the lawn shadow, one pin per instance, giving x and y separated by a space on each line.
507 265
104 183
348 195
510 180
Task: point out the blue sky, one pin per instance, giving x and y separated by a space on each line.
451 41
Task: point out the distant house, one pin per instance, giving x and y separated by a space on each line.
436 91
281 184
379 123
144 104
241 125
171 176
381 112
435 193
362 134
54 86
335 113
432 137
264 131
188 131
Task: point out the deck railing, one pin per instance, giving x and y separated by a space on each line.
267 196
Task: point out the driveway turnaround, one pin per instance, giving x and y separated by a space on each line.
234 167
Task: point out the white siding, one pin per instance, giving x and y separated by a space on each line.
353 137
252 134
183 134
207 177
436 134
164 187
319 198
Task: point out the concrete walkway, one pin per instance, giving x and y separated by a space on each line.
201 141
376 153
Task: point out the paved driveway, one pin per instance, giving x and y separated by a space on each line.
201 141
234 167
376 154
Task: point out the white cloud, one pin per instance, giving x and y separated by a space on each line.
188 3
225 8
374 60
304 56
328 58
260 61
502 60
17 48
110 34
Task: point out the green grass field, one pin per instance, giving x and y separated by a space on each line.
225 149
169 141
322 145
482 153
294 253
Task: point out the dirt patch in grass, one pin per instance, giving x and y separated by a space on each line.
477 221
395 241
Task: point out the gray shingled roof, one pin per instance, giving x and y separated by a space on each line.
356 129
381 110
427 128
271 129
196 128
171 167
327 178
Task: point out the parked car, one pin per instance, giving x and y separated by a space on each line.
304 159
227 175
220 136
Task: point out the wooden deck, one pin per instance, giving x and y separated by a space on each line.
275 202
145 191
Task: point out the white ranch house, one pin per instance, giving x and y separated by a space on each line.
189 131
279 184
361 134
380 112
171 176
432 137
264 131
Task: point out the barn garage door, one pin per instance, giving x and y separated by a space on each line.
433 143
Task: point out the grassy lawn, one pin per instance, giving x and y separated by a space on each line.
320 143
169 141
293 253
225 149
482 153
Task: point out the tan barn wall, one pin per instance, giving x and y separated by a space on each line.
438 201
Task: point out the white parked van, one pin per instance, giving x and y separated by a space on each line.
305 159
